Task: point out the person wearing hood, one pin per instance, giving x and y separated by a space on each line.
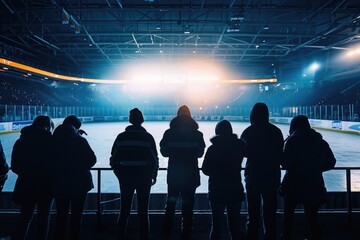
183 144
222 163
135 162
32 160
73 179
306 156
264 146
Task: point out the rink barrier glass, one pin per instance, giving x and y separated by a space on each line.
11 113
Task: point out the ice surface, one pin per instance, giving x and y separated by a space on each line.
101 136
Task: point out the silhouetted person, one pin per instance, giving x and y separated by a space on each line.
183 144
4 167
32 160
222 163
306 156
264 146
135 163
73 180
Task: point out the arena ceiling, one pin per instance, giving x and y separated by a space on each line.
89 34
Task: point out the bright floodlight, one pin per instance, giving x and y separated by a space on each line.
314 67
353 52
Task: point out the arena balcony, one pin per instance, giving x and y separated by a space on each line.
339 217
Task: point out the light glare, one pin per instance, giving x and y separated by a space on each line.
314 67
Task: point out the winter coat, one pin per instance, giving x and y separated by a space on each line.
222 163
74 158
134 154
264 146
32 160
306 157
183 144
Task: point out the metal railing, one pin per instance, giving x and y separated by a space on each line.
347 170
11 113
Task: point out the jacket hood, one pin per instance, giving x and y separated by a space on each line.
65 131
184 110
259 113
135 128
299 122
184 121
223 128
33 132
224 138
311 135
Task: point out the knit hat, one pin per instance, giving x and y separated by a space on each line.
184 111
223 128
73 121
136 117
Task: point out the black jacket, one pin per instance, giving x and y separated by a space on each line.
134 151
32 160
74 158
222 163
306 157
183 144
264 146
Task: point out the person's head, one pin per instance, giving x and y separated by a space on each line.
43 122
223 128
184 111
136 117
299 122
73 121
259 113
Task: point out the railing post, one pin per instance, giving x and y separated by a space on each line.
98 213
348 196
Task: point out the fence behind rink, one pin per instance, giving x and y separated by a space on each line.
11 113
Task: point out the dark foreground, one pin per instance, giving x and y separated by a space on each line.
334 226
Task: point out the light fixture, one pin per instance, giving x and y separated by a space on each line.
315 66
186 29
231 29
237 18
65 17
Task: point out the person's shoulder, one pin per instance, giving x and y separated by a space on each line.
274 127
247 130
198 132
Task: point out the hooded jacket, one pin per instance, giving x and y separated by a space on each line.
134 152
74 158
264 145
306 157
183 144
32 160
222 163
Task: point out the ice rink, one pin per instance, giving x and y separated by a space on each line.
101 136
